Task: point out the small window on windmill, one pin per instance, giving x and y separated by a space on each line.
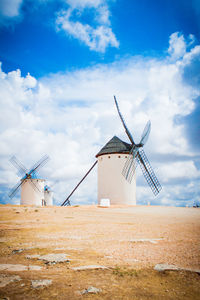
109 156
125 156
119 156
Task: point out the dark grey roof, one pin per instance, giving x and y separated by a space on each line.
115 145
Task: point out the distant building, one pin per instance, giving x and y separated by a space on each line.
32 190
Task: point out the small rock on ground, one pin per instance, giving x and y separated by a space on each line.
54 258
40 283
152 241
17 268
90 267
91 290
166 267
32 256
6 279
50 258
17 251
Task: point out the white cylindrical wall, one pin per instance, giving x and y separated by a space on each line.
48 198
111 182
32 193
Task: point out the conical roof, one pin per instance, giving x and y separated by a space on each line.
115 145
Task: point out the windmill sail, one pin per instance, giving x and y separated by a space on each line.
123 122
15 189
39 164
145 134
131 163
34 186
148 172
129 168
16 163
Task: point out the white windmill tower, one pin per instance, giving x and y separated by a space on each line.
32 187
111 184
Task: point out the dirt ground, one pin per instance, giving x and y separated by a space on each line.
129 241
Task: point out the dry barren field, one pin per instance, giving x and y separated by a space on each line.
88 252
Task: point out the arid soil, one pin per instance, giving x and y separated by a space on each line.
129 241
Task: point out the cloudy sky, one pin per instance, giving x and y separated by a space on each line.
61 63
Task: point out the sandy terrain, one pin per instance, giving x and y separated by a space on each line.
129 241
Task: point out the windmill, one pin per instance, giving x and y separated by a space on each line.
117 162
48 196
32 187
137 155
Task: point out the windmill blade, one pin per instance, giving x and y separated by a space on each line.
39 164
123 122
148 172
129 168
34 186
130 165
16 163
15 189
145 134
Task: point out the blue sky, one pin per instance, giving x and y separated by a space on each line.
62 62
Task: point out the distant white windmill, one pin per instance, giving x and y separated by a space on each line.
32 187
48 196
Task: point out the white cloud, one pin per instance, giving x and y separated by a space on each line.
10 8
84 3
177 45
97 37
71 116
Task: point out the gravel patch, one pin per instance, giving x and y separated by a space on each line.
166 267
91 290
6 279
40 283
18 267
90 267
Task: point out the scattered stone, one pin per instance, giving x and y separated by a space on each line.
17 251
90 267
18 268
54 258
153 241
91 290
40 283
6 279
50 258
34 268
32 256
166 267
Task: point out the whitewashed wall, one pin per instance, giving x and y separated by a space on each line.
111 182
30 195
